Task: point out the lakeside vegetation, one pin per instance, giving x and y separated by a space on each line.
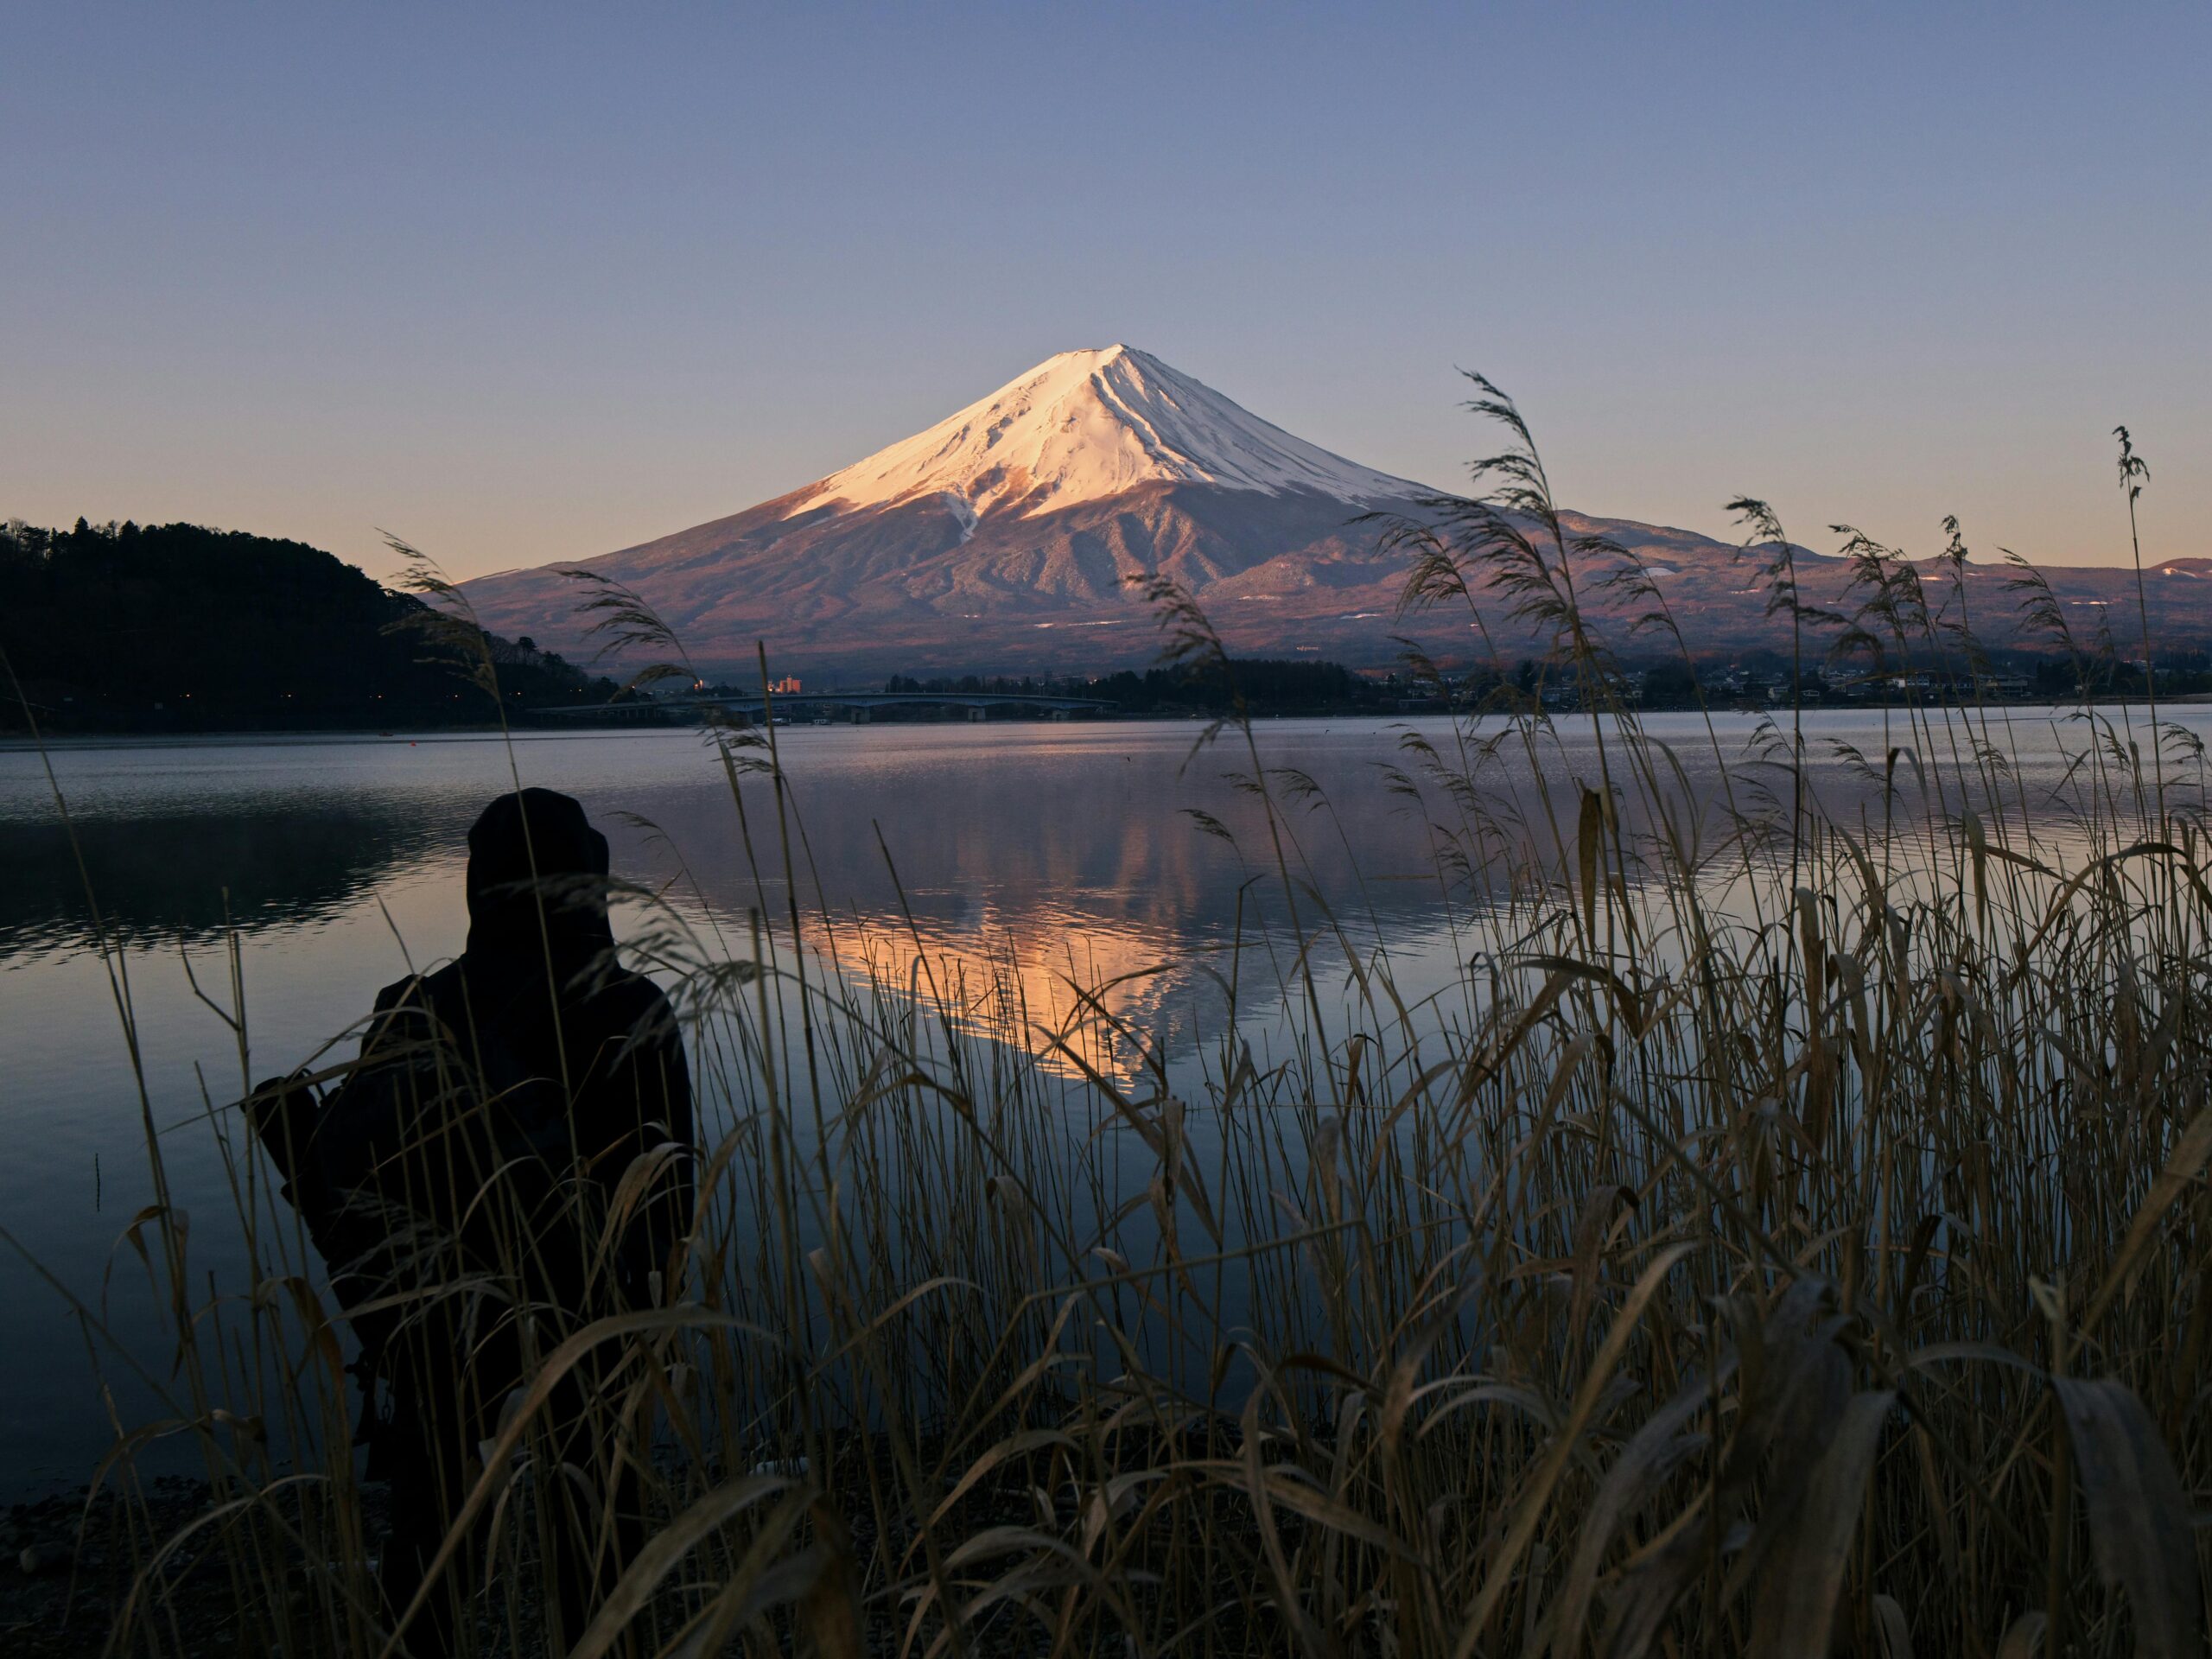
1787 1232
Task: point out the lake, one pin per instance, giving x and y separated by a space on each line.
1067 853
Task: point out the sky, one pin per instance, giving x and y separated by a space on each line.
533 283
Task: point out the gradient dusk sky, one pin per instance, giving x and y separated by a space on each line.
533 283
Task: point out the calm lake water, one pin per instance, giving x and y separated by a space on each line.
1064 848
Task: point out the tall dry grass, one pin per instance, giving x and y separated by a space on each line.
1787 1233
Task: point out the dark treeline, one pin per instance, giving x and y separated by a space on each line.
1269 686
1755 679
1763 678
174 627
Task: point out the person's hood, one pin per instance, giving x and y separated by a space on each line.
535 851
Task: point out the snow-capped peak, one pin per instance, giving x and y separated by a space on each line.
1085 425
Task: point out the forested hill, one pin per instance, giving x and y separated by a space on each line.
174 627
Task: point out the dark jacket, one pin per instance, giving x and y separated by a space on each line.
509 1157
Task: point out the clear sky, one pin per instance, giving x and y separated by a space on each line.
534 282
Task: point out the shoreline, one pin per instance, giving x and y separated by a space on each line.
13 743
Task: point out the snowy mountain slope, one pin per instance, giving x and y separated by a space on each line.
1030 511
1087 426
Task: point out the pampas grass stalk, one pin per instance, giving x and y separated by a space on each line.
1788 1232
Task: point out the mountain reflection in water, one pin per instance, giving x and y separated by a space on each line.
1050 868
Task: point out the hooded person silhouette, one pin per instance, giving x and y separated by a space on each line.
507 1160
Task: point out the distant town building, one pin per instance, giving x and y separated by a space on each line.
786 687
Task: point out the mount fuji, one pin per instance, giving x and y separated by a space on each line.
1005 536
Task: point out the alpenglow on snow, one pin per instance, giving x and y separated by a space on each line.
1083 426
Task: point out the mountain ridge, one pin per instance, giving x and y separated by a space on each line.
1012 534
